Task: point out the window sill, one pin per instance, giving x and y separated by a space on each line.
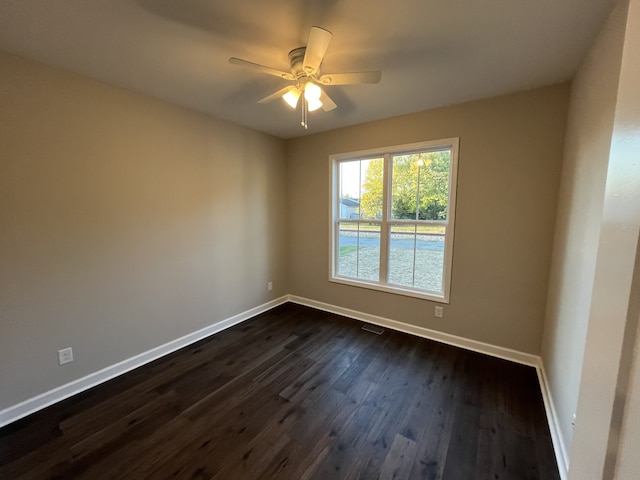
431 296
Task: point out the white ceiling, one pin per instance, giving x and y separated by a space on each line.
431 52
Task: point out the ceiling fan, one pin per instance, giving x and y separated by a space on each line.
305 65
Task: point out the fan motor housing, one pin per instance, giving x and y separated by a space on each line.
296 57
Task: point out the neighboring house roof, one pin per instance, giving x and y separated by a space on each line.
350 202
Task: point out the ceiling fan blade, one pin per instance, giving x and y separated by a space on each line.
319 40
261 68
327 103
276 95
355 78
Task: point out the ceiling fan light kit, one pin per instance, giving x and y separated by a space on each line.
291 97
305 71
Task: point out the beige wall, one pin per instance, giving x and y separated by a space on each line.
594 300
607 404
627 148
124 223
509 170
589 128
627 462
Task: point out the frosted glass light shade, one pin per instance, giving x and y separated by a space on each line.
312 91
291 97
313 104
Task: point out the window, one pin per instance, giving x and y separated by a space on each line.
392 218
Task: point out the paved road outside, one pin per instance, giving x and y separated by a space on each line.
361 256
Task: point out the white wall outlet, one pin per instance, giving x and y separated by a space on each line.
65 356
438 312
270 286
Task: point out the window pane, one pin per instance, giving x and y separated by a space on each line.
396 202
416 256
420 185
361 189
348 249
359 251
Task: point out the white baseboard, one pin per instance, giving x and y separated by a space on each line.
43 400
559 447
39 402
473 345
467 344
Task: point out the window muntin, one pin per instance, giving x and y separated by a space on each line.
392 222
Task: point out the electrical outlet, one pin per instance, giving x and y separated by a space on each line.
270 286
65 356
438 312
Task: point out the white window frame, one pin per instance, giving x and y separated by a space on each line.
387 153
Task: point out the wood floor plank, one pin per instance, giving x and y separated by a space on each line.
399 460
296 393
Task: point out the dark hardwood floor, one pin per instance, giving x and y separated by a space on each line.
296 393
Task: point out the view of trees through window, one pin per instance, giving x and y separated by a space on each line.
394 235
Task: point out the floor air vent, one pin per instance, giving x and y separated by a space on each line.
373 329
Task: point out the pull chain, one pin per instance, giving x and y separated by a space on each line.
303 109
